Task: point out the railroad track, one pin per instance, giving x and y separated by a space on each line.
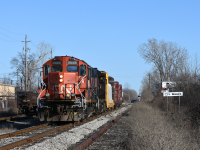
38 135
12 117
106 141
6 138
21 116
12 134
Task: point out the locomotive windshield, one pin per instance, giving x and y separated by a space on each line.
56 69
72 68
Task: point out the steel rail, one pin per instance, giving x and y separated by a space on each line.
38 136
33 138
99 133
8 118
14 133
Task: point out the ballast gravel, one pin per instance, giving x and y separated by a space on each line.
66 139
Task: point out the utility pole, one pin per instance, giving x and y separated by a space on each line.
149 80
51 53
17 79
26 61
21 84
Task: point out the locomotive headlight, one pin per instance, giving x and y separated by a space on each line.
61 76
61 80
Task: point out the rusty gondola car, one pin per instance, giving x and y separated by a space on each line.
72 90
27 102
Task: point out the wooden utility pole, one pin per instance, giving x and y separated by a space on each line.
149 81
26 61
51 53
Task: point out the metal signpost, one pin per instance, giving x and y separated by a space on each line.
166 94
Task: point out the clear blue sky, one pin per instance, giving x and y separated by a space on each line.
104 33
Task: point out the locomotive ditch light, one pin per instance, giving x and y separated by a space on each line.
61 80
73 95
61 76
68 95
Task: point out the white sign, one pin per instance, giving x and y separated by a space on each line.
165 94
166 85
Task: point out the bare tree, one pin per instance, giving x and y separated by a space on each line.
6 80
35 61
128 93
167 57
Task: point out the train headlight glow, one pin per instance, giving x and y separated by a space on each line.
61 80
61 76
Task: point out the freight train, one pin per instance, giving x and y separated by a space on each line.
72 90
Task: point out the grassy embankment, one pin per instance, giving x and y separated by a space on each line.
154 128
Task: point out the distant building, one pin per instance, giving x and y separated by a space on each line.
7 91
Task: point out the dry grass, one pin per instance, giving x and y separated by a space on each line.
156 129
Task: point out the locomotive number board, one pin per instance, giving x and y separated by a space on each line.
72 62
56 62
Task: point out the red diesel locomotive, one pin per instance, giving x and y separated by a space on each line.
72 90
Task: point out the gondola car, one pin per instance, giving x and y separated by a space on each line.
27 102
72 90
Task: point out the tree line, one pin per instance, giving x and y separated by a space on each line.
171 62
35 60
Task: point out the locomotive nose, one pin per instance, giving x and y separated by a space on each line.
62 85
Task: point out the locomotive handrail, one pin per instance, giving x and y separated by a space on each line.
43 85
96 95
80 91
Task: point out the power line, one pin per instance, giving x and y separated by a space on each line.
8 40
32 42
131 76
126 76
11 32
4 65
9 37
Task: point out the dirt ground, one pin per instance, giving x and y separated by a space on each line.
154 129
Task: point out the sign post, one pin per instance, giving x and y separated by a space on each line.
179 104
166 94
167 103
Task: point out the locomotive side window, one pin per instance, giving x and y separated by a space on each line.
56 69
94 72
72 68
46 70
82 70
